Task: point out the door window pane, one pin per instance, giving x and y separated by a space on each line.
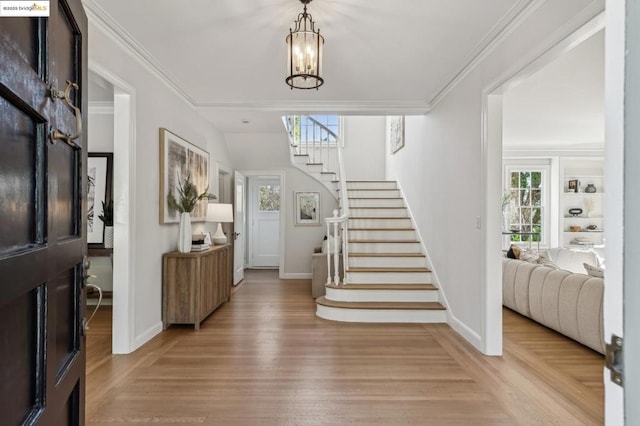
269 198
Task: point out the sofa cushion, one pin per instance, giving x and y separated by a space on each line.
568 296
515 295
590 318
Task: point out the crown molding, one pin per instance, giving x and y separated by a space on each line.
101 107
98 17
338 107
514 17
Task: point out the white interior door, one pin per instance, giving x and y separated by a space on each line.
264 218
239 234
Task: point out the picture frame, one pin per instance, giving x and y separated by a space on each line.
99 190
179 159
307 208
395 133
573 185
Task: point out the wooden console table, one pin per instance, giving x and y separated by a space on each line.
195 284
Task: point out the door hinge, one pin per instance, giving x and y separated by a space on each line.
613 359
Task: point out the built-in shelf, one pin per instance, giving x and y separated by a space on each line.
588 171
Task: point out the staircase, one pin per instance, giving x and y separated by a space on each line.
387 275
386 279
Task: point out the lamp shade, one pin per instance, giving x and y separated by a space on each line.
219 212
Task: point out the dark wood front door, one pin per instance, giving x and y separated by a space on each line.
42 220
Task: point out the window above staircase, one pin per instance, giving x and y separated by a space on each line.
308 129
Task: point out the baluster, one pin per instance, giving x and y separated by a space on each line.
328 255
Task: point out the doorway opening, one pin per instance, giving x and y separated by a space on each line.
123 146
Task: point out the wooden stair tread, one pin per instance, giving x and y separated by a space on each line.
383 286
431 306
300 155
314 164
374 198
381 207
386 255
375 217
328 173
386 269
384 241
382 229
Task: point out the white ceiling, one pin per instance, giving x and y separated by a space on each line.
228 56
562 104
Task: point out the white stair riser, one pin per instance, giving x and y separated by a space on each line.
380 223
387 262
381 315
314 168
354 193
327 177
301 160
390 235
389 277
373 212
384 248
376 202
372 185
341 295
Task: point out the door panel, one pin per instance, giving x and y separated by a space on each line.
18 207
24 348
264 217
42 237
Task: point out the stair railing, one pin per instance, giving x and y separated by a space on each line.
308 136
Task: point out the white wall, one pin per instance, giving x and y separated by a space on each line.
100 132
440 167
155 106
364 149
269 151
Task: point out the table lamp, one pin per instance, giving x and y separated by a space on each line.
220 213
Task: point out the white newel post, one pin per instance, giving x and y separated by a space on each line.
336 253
328 255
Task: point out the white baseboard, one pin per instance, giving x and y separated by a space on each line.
295 276
144 337
463 330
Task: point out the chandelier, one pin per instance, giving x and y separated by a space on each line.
304 53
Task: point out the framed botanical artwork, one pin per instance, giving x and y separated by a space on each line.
395 132
99 178
180 159
307 208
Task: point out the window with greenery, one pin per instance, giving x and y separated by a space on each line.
269 198
526 204
305 130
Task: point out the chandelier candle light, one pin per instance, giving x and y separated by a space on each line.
220 213
304 53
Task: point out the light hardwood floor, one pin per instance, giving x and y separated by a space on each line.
266 359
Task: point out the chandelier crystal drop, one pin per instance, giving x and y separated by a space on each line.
304 53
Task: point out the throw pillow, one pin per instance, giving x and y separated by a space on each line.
514 252
550 264
594 271
544 256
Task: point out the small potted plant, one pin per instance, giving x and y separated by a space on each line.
188 198
107 218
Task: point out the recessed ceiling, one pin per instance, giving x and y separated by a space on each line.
228 56
562 104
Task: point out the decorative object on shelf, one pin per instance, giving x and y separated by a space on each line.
575 212
573 185
588 206
187 201
590 189
107 218
395 132
221 213
575 228
304 53
592 227
307 208
179 158
99 178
